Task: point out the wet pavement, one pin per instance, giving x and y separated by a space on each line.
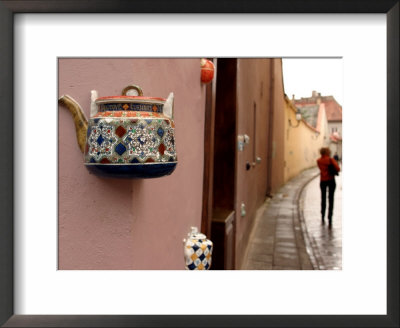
326 243
288 234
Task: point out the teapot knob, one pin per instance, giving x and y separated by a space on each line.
134 87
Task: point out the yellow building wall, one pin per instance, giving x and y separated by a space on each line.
302 143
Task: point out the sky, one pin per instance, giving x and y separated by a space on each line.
303 75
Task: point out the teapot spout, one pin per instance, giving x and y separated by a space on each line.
80 120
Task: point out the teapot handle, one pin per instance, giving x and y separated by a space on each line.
135 87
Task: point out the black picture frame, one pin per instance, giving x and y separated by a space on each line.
7 172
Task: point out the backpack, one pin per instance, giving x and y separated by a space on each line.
332 169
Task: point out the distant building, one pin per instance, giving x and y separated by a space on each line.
304 138
309 108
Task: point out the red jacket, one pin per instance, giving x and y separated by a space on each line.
323 163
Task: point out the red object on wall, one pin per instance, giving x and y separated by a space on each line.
207 70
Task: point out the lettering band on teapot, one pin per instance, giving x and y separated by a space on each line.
155 108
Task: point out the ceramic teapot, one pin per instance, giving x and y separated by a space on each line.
197 251
126 136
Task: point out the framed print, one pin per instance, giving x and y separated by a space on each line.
34 35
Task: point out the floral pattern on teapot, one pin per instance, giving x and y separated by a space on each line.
130 141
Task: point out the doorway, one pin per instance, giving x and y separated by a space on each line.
218 220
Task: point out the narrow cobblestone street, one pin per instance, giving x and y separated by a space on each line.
288 234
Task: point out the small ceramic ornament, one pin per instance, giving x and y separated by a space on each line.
207 70
126 136
197 251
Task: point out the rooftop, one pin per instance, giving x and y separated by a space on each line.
332 108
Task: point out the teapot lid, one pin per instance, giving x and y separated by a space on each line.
125 98
194 234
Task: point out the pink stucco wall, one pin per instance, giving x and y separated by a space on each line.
129 224
254 114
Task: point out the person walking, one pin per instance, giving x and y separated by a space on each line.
328 169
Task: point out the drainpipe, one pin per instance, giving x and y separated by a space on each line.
270 126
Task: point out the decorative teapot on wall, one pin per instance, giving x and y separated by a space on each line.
126 136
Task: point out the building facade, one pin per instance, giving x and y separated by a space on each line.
304 138
116 224
231 136
245 137
334 117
